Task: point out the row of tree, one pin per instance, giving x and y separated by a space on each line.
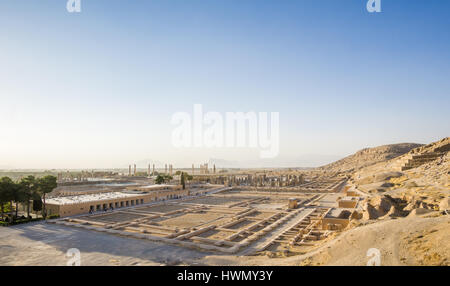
26 190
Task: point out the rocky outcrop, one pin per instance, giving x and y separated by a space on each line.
444 205
383 207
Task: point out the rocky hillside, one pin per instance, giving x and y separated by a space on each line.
426 169
369 156
395 191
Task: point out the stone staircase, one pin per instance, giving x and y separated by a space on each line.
412 161
422 155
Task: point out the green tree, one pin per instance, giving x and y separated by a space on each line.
18 195
183 183
37 203
159 180
6 193
46 185
28 187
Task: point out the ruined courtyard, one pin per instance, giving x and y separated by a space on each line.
231 221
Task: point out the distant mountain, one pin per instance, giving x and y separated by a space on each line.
224 163
304 161
370 156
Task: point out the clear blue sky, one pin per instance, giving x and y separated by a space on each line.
98 88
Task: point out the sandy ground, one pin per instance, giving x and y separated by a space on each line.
47 244
405 241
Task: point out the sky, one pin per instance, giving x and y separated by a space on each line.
98 89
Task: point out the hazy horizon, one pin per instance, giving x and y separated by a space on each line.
318 159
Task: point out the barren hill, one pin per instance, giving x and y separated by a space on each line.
428 164
369 156
401 190
419 179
